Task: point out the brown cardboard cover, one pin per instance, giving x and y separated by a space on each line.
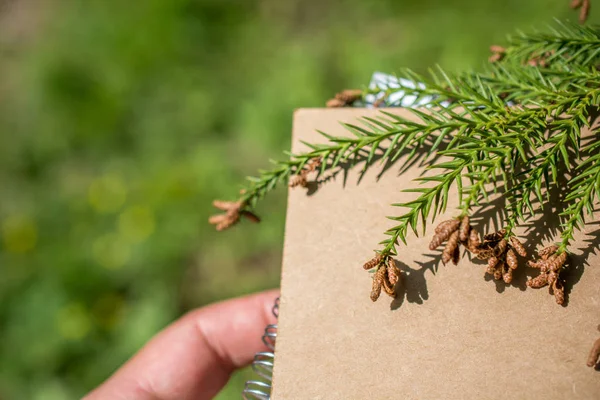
451 334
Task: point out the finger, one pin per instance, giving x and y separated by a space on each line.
194 357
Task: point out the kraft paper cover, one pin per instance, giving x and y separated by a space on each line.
452 333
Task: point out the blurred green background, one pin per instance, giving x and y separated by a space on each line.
120 121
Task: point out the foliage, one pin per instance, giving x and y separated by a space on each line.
519 123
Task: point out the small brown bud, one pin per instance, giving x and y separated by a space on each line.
594 357
230 217
464 229
216 219
393 272
498 274
497 49
349 96
495 57
575 4
313 164
443 232
436 241
298 180
372 263
500 247
556 263
493 262
377 284
511 259
452 244
559 292
534 264
539 281
447 226
226 205
474 240
545 264
229 220
584 12
335 103
388 287
518 246
547 251
552 277
507 276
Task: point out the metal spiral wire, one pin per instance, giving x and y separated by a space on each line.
263 364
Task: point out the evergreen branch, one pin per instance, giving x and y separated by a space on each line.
401 133
585 190
500 85
564 137
566 42
483 151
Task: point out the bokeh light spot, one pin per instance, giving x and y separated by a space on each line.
73 321
111 251
136 223
107 194
19 234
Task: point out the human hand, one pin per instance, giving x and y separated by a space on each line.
194 357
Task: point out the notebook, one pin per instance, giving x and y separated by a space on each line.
451 333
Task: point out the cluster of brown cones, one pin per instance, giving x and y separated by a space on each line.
233 211
498 53
549 263
541 61
499 250
387 276
455 232
594 357
300 179
345 98
584 9
500 255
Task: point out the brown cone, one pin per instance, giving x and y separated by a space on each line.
518 246
594 356
539 281
547 251
349 96
500 247
372 263
463 229
511 259
377 284
474 240
559 292
393 272
507 276
447 226
451 246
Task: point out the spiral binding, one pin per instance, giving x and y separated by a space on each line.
263 364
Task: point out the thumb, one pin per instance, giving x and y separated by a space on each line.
194 357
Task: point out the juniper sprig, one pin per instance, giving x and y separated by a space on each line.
516 127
